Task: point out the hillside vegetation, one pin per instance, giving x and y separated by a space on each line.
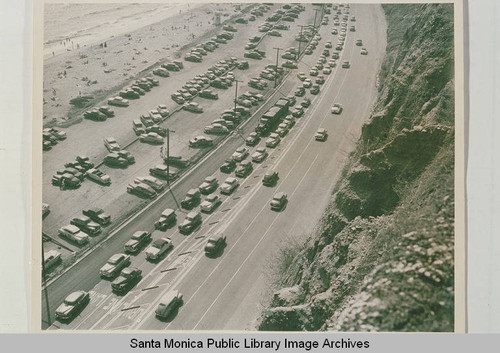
381 258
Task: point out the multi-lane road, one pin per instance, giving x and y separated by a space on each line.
229 292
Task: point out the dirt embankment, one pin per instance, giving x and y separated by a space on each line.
381 258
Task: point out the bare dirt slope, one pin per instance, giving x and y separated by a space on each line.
381 258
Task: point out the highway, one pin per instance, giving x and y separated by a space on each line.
229 292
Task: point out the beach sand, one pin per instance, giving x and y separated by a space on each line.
106 46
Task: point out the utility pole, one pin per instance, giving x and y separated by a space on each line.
276 70
315 15
168 155
300 41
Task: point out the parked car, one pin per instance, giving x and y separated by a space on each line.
99 176
118 101
209 94
193 107
192 199
192 220
126 155
315 89
216 129
321 134
126 280
215 244
270 178
73 304
259 155
161 171
228 166
279 201
114 265
50 258
111 144
151 181
86 225
210 203
45 210
159 248
114 160
138 240
74 233
252 139
97 215
167 219
201 141
141 190
151 137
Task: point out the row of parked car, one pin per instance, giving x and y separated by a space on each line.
51 137
74 173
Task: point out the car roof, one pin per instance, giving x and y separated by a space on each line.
168 212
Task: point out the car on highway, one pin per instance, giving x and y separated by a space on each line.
313 72
298 111
279 201
128 277
320 80
273 140
97 215
141 190
86 225
300 92
209 185
192 199
114 265
118 101
321 134
334 31
210 203
337 108
259 155
50 258
228 166
114 160
229 185
162 171
94 115
307 83
138 240
170 302
159 248
346 65
190 223
302 76
72 305
240 154
152 138
332 63
282 129
253 139
327 71
270 178
215 244
352 28
168 218
99 176
201 141
315 89
289 121
244 169
364 51
153 182
335 55
74 233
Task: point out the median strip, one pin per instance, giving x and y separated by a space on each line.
212 223
131 308
227 209
145 289
185 253
200 236
168 270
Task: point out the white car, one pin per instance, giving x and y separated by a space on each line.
75 234
259 155
229 186
337 108
151 137
111 144
321 134
240 154
210 203
158 248
273 140
114 265
50 258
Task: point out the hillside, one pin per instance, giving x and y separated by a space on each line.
381 258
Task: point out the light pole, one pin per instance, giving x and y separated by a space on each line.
235 96
300 41
46 289
167 159
276 69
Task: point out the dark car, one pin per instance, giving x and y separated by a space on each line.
228 166
97 215
192 199
244 169
86 224
252 139
138 240
129 277
114 160
270 178
192 220
215 245
279 201
167 219
72 305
